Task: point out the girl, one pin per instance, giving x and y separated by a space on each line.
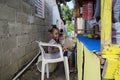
55 40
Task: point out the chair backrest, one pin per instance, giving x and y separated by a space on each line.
41 44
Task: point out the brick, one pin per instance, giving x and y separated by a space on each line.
12 42
32 10
29 28
9 71
22 40
16 54
3 28
16 3
14 29
26 8
25 28
28 49
21 17
7 13
3 77
0 74
18 28
5 59
23 61
6 53
2 3
31 55
8 43
5 45
15 57
31 37
39 21
34 45
0 54
40 28
0 45
13 68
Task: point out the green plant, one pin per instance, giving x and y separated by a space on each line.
67 16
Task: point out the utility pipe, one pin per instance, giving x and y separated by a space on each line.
26 67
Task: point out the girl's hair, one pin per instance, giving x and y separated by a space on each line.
53 27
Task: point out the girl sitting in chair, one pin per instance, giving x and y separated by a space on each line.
55 51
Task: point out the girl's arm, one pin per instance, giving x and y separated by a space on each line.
53 50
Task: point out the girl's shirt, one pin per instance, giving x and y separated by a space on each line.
53 55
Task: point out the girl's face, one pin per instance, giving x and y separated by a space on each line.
55 34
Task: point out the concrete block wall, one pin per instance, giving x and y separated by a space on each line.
17 34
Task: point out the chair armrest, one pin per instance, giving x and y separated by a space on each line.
49 44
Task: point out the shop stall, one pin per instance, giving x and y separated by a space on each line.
87 61
90 49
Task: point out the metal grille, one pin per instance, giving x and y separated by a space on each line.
39 6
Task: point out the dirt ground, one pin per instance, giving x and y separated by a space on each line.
33 74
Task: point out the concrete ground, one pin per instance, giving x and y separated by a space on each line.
33 74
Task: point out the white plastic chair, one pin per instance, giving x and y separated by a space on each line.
45 59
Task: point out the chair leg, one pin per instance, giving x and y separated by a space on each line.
42 71
47 70
66 68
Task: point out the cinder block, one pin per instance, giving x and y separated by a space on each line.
30 37
21 17
4 30
13 68
5 59
32 10
28 49
25 28
0 53
0 75
22 40
23 61
7 13
31 55
5 45
39 21
12 28
3 77
13 3
2 3
15 28
26 7
9 71
34 45
13 42
1 29
17 53
8 43
19 28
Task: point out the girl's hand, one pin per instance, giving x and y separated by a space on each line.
64 48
